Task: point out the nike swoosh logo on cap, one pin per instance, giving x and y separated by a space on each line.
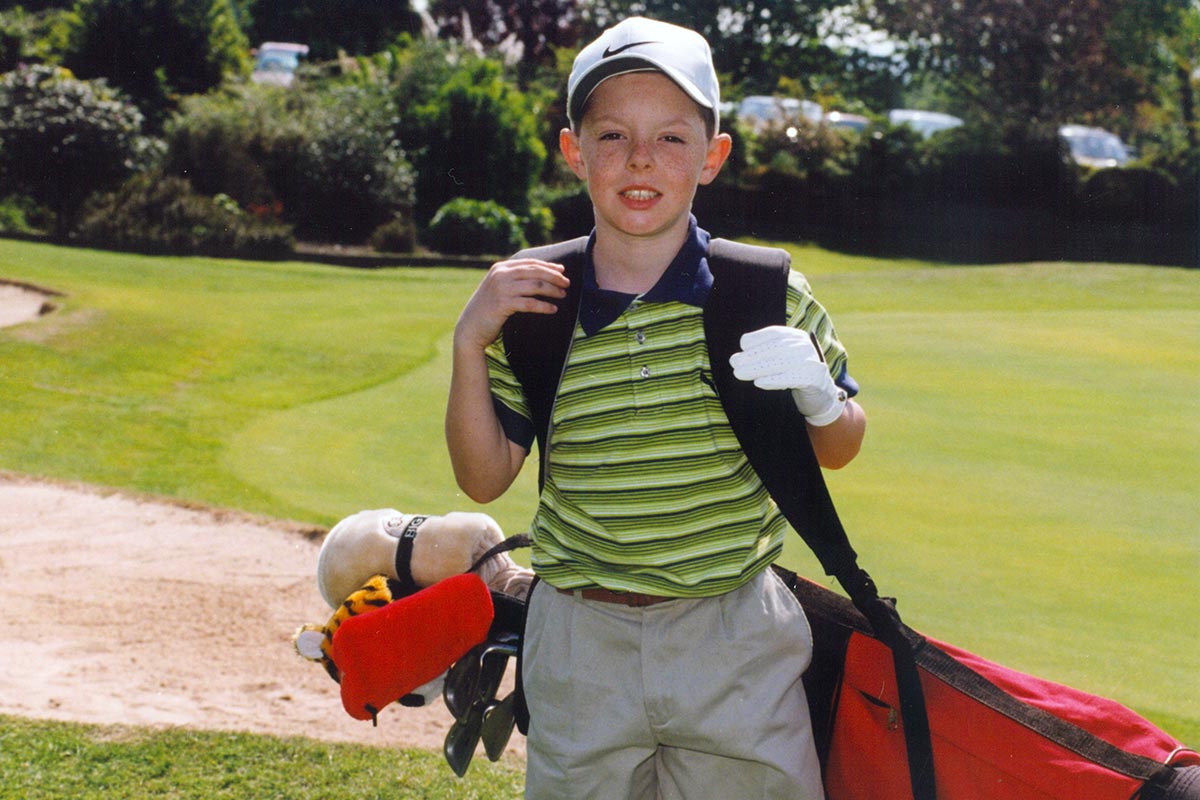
609 52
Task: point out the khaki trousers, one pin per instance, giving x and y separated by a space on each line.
682 700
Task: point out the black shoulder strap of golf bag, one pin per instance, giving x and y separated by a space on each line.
749 292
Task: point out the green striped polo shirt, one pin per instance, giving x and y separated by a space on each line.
647 489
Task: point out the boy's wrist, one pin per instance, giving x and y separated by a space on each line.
824 414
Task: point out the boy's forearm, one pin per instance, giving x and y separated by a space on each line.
485 462
837 443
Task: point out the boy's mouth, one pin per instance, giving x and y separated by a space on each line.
639 195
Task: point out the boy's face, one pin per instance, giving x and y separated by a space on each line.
642 148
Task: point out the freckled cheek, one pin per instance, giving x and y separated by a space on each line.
669 164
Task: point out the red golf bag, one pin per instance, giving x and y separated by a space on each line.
993 733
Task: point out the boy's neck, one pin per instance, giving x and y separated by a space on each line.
633 264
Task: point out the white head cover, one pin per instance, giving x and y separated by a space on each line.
361 545
639 45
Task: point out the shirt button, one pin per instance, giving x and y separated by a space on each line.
645 372
640 336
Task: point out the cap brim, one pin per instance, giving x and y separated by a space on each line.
613 67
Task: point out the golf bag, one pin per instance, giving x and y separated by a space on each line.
995 734
896 716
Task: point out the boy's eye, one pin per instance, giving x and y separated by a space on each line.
609 137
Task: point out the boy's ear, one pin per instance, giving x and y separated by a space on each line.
718 151
568 143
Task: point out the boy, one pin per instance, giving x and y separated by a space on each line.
662 658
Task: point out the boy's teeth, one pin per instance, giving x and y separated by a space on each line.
639 194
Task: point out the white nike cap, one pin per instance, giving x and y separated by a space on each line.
639 44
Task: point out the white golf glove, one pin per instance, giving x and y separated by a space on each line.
781 357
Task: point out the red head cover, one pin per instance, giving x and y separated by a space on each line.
385 654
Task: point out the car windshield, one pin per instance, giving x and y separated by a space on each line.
277 61
1097 146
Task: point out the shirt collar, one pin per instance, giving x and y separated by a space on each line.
687 280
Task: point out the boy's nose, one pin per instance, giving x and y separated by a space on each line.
639 155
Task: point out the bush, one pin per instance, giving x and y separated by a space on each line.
62 139
395 236
350 174
20 214
973 164
1130 194
477 138
225 141
573 212
817 154
328 163
538 225
159 213
475 227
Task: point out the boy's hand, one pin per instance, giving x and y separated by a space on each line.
781 357
508 288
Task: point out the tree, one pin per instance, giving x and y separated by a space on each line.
538 26
156 50
61 139
754 43
1180 48
1032 63
33 37
330 26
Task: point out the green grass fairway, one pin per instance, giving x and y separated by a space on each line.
1029 488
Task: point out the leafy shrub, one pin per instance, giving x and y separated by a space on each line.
226 141
20 214
573 212
62 139
350 173
1131 194
478 137
538 225
968 163
394 236
329 163
817 154
159 213
475 227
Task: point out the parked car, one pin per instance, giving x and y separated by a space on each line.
926 123
850 122
1094 147
275 63
758 111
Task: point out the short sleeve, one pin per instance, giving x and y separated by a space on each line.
804 312
508 398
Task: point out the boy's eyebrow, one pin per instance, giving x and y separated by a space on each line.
615 119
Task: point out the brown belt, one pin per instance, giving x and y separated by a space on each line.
631 599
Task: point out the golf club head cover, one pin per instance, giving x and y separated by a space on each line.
416 551
386 654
